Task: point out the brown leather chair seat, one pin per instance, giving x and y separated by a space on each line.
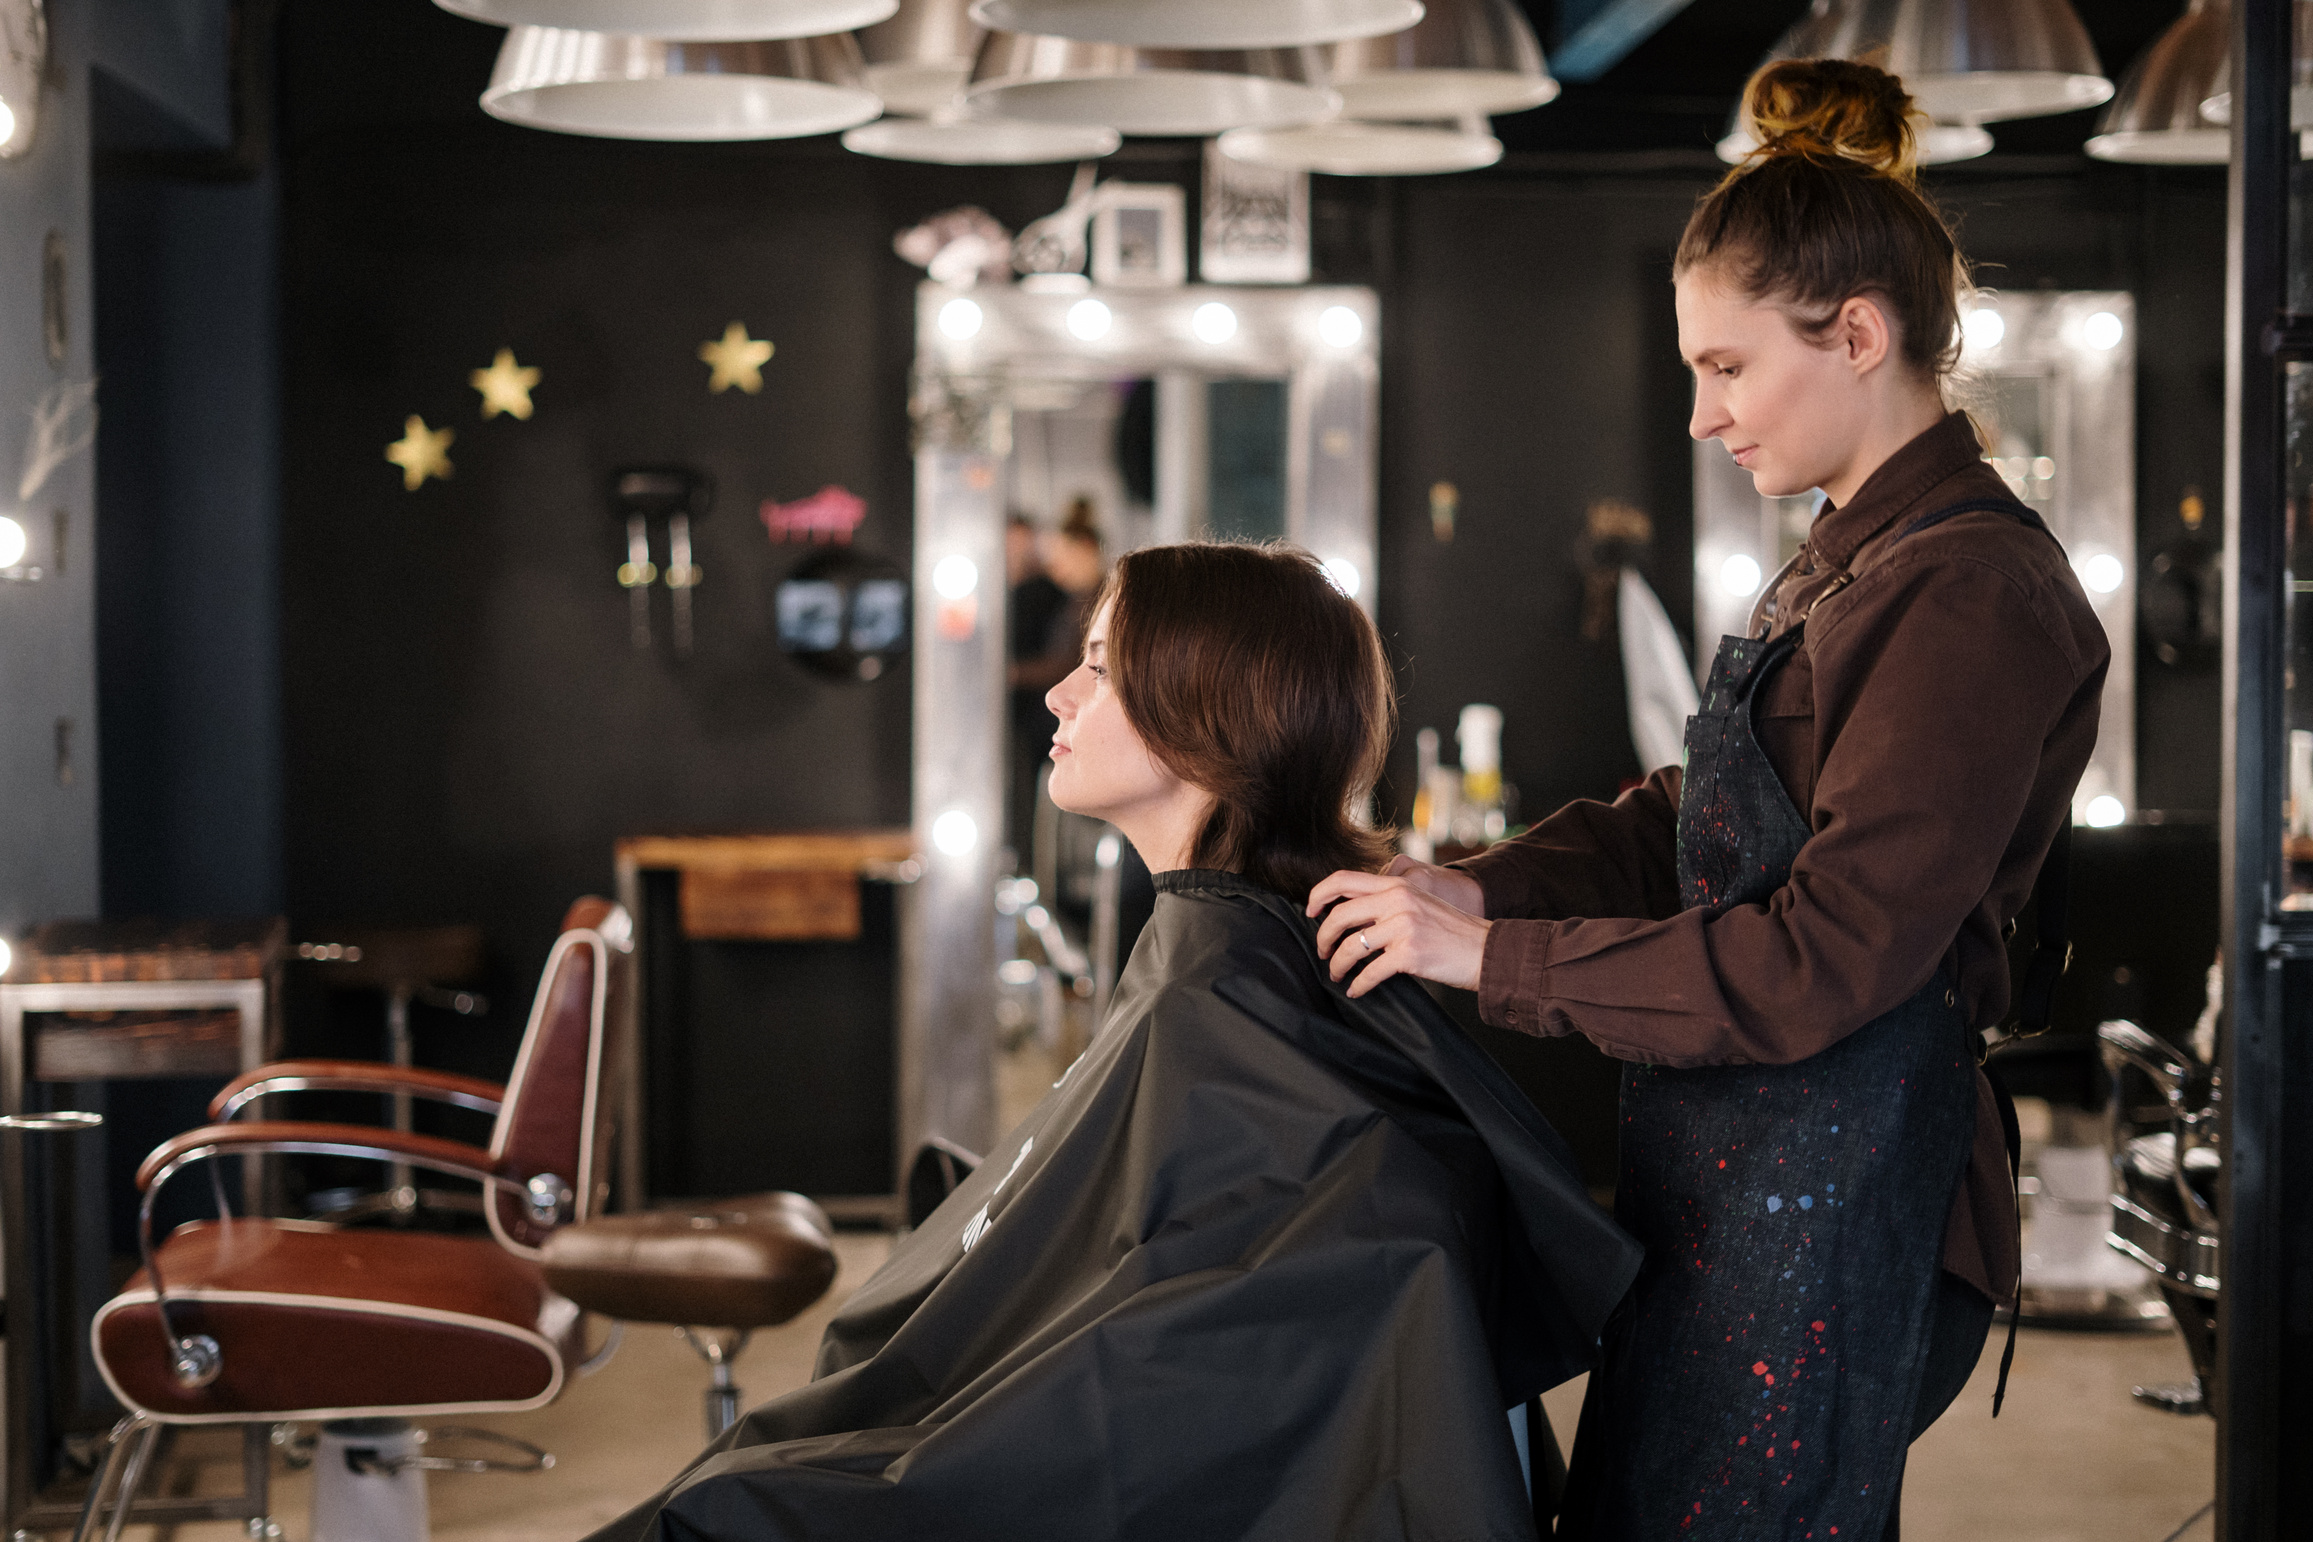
737 1263
316 1322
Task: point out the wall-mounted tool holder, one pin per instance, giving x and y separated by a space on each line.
670 496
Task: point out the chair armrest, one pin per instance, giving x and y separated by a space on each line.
257 1136
2162 1063
355 1076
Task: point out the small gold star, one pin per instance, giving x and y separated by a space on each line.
738 360
505 386
421 452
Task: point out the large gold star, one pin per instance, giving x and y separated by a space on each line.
737 359
505 386
421 452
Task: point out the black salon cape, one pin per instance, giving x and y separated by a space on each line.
1267 1263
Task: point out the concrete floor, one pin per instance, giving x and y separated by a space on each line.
2071 1459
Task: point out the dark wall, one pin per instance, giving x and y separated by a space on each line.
1530 358
466 729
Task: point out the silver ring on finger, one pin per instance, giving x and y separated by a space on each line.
1365 942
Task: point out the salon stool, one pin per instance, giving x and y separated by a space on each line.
734 1265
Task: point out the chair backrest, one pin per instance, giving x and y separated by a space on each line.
551 1145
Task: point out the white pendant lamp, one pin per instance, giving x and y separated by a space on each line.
686 21
622 87
1963 61
2218 109
1343 147
919 60
1938 143
1201 23
981 141
2156 117
1463 56
1147 90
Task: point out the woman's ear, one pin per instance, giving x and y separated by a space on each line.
1864 334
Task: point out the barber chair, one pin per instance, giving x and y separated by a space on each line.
245 1320
716 1272
2167 1163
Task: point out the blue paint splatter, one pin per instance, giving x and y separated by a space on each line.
1774 1203
1806 1201
1835 1129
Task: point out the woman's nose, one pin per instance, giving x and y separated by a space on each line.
1709 417
1058 701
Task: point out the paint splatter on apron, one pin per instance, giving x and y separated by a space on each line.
1761 1379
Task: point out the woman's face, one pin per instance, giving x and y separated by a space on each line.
1100 766
1789 410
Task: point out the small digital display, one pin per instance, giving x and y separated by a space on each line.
879 614
810 615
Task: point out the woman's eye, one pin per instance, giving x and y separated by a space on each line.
1099 671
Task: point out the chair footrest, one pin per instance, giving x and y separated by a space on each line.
737 1263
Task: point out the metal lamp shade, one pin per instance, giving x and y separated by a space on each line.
1201 23
2218 109
1147 90
1939 143
687 21
981 141
622 87
919 60
1963 61
1463 56
2156 118
1345 148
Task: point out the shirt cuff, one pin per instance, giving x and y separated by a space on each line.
1512 976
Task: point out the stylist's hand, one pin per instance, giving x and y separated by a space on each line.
1400 923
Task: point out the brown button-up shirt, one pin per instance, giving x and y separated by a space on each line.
1931 724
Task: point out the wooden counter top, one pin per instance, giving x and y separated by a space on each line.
774 886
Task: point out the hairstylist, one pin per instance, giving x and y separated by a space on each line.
1793 943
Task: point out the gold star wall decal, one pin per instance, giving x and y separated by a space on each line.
737 360
421 452
505 386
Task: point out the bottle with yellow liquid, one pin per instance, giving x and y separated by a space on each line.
1478 816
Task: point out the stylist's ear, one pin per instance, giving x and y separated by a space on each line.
1864 332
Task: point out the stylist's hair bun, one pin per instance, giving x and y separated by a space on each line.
1832 109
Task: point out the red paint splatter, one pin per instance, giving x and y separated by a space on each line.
1759 1368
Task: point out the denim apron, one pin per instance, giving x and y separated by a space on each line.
1761 1379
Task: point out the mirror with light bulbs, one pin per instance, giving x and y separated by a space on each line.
1180 412
2050 378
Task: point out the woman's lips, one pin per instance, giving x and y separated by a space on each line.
1058 749
1743 456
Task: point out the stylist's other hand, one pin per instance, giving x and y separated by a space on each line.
1450 884
1384 924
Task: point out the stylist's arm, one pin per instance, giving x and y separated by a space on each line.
1414 919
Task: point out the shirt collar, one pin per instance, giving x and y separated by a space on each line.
1902 480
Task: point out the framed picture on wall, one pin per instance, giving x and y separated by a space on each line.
1140 236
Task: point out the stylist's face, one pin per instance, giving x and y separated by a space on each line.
1789 410
1100 766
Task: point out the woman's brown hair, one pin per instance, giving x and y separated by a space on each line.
1827 209
1249 675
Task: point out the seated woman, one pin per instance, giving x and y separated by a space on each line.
1268 1262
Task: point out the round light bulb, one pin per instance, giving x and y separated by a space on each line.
1088 321
955 833
7 125
955 577
1739 575
1344 575
1339 327
2104 811
2102 572
7 954
1213 322
1984 328
960 319
11 542
2101 331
